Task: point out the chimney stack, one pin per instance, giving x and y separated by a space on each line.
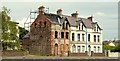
59 12
75 15
90 18
41 9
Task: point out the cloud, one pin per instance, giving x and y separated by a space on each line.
100 14
59 0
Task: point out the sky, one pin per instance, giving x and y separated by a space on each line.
105 13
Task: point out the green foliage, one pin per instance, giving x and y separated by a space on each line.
9 29
107 47
10 44
22 49
22 32
117 48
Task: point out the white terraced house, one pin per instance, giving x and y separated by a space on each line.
86 35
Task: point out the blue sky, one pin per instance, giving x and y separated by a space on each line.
105 13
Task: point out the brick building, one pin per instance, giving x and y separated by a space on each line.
56 34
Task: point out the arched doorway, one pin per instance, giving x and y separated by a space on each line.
56 49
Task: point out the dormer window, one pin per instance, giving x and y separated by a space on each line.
65 25
94 28
82 27
79 26
97 29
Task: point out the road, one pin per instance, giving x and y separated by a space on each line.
53 58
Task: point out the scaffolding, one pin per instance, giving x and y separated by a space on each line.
31 18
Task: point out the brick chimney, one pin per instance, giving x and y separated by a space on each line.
90 18
59 12
41 9
75 15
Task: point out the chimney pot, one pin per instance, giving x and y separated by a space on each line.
90 18
41 9
59 12
75 14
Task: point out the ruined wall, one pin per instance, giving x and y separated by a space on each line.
40 36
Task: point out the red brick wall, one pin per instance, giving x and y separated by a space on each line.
39 42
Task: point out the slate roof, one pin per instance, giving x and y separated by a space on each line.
27 35
54 18
73 21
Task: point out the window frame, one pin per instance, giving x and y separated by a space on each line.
67 35
78 35
83 37
62 34
56 34
94 38
89 37
73 36
78 48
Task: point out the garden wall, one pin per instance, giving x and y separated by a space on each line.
14 53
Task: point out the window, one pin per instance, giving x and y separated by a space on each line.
82 37
79 26
44 24
94 28
61 47
56 34
78 49
78 37
62 34
98 38
67 25
35 25
98 49
97 29
63 26
94 49
82 27
72 36
88 37
40 24
83 48
94 38
74 48
67 35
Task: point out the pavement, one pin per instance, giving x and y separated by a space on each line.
55 57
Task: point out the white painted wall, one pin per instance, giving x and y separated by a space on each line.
113 54
76 31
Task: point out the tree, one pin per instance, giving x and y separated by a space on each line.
9 30
22 32
107 47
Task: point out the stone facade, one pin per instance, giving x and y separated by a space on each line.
57 34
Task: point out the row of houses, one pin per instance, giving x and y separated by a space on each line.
59 34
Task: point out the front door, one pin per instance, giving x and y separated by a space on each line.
56 49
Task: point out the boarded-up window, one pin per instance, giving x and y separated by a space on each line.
44 24
62 34
56 34
67 35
